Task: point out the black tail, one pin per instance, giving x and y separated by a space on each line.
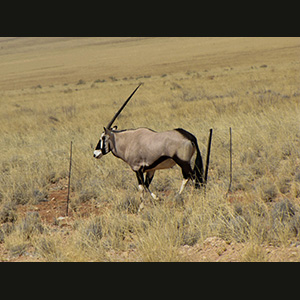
198 168
198 171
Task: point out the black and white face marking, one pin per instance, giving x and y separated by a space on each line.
102 147
98 153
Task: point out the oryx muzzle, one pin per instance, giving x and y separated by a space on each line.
146 151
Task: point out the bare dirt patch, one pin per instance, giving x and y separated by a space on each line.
214 249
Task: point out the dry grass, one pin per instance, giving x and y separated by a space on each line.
251 85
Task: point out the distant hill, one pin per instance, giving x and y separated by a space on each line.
31 61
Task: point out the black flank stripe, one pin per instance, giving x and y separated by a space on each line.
156 163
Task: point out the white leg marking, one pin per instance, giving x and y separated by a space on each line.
141 207
142 190
154 196
184 182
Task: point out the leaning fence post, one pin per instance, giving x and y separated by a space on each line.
207 156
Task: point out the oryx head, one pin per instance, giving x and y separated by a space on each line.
104 145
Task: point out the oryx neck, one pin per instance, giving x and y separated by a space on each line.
118 143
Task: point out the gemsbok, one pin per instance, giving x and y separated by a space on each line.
146 151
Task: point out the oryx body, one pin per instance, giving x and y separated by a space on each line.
146 151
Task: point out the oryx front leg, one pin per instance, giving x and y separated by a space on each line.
142 205
153 195
149 177
140 178
142 190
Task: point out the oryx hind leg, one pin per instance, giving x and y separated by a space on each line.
183 184
187 172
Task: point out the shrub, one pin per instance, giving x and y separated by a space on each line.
130 204
30 225
93 230
81 81
8 212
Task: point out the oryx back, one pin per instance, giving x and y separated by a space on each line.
150 150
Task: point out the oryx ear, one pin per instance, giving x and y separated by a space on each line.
107 131
115 127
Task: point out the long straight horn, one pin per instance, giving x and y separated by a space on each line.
120 110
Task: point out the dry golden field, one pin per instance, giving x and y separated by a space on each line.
57 90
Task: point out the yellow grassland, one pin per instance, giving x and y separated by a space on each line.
54 90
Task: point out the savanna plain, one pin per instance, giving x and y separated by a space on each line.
57 90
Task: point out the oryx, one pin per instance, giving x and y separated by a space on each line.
147 151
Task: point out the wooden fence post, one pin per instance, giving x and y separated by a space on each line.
69 182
